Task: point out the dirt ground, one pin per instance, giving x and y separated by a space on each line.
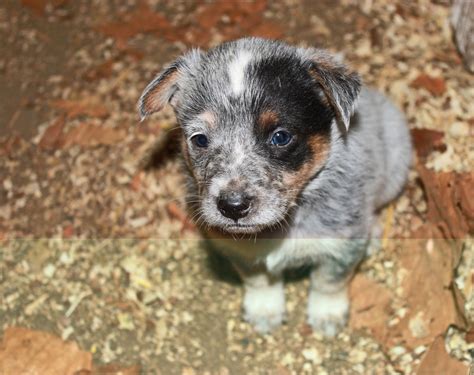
95 245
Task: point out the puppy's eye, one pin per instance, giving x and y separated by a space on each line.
200 140
281 138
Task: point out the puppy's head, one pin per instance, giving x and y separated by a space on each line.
256 117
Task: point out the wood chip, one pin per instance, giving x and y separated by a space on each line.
450 204
435 85
24 351
88 107
426 141
92 135
437 361
141 20
429 269
370 310
52 137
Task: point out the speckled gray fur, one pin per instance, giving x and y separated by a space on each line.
327 223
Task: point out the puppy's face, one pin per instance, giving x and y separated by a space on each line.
256 118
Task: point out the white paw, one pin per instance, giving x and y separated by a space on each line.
328 313
264 307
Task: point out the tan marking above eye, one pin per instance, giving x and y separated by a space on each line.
268 118
208 117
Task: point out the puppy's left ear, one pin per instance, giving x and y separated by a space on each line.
165 87
341 86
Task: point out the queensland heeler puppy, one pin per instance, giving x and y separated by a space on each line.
289 158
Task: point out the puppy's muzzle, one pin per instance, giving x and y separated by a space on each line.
234 204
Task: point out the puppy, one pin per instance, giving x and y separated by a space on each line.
289 159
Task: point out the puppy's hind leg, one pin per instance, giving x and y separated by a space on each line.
264 299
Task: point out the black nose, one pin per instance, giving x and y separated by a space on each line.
234 205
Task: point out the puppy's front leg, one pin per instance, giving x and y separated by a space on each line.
264 299
328 302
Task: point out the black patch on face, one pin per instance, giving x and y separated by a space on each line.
290 91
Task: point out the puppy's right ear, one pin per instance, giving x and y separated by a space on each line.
163 89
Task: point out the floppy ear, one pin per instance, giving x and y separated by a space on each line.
164 87
341 86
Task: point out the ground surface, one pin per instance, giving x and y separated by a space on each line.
96 247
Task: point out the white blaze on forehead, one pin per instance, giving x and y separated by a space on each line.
239 156
237 71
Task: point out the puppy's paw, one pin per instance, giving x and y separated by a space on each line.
328 313
264 307
328 326
265 322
